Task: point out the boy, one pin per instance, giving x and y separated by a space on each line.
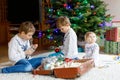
69 48
20 50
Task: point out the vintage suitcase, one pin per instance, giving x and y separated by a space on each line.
73 72
69 72
41 71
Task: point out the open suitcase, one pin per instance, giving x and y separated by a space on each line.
69 72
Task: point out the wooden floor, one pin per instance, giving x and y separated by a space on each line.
4 53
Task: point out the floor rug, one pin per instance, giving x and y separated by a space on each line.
111 72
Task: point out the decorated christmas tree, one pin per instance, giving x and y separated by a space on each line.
85 15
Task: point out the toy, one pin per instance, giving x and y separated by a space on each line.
117 58
57 50
68 60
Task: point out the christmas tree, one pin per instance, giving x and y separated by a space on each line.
85 15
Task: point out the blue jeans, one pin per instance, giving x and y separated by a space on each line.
24 65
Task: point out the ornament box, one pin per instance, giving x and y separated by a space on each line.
68 72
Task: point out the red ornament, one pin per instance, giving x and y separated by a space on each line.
94 13
65 5
68 59
57 50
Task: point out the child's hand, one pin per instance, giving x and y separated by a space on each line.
34 46
31 50
57 48
28 52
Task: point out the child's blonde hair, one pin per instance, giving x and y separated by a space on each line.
26 27
87 35
62 21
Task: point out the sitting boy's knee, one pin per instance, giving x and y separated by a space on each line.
28 68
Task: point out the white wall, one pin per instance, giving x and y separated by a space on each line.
114 8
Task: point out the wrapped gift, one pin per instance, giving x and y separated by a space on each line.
115 36
111 47
114 47
107 35
118 47
107 46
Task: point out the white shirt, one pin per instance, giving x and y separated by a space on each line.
69 48
92 51
16 48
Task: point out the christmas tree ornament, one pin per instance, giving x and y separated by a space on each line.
65 5
40 34
92 6
57 50
68 59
